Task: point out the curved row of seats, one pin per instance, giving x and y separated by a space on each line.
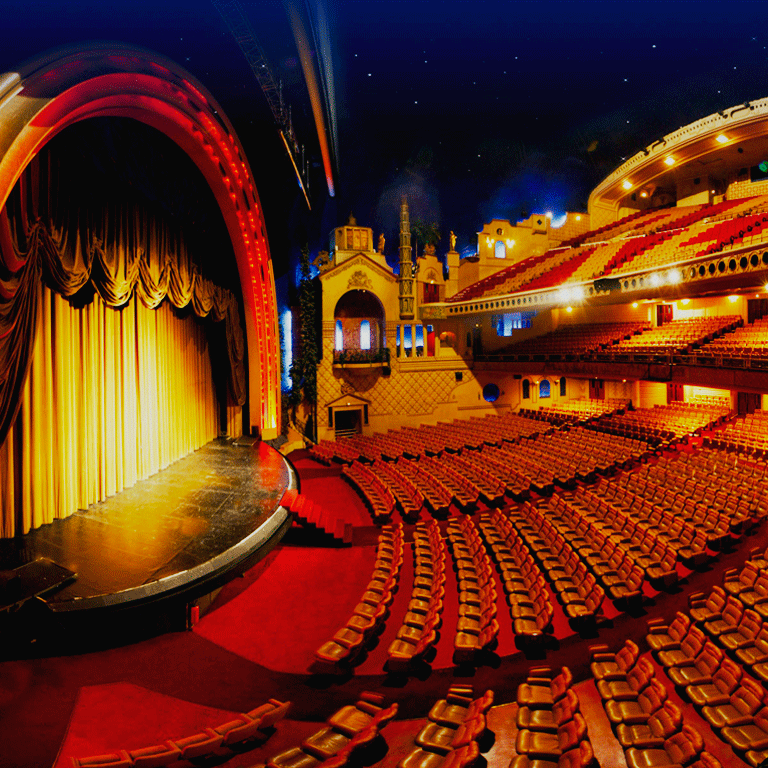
707 662
649 727
254 726
451 736
575 587
477 628
377 495
464 492
419 631
408 497
551 729
346 733
435 494
681 486
372 610
529 604
573 411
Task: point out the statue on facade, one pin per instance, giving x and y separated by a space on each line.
382 241
453 241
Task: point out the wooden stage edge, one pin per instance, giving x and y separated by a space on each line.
146 555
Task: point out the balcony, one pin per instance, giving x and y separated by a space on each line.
361 358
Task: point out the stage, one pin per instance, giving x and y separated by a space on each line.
157 546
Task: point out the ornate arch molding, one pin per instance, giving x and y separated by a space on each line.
113 79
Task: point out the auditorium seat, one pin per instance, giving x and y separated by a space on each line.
743 704
638 710
680 749
549 720
113 760
664 637
613 666
457 758
699 670
662 724
156 756
541 691
579 757
725 680
457 707
541 745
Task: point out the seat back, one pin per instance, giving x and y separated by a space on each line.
571 733
679 626
667 721
640 675
627 655
729 675
748 697
709 659
733 611
653 697
685 746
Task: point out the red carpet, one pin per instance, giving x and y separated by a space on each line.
326 487
116 716
305 596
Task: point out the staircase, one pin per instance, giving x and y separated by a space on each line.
314 517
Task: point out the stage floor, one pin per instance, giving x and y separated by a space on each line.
193 520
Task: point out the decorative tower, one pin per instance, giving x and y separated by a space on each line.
405 281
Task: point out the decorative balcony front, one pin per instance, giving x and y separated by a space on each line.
361 358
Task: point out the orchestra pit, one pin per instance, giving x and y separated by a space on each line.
531 530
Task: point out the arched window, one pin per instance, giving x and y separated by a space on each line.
365 334
339 342
526 389
500 251
544 389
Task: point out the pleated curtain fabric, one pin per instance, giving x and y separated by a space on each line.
104 391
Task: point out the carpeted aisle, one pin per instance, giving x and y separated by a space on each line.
116 716
297 604
326 487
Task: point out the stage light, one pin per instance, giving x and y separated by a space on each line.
635 305
569 310
578 218
655 280
733 299
721 139
674 276
627 184
669 160
643 194
686 301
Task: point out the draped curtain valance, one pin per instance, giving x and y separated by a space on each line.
117 246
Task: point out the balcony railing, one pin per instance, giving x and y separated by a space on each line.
361 356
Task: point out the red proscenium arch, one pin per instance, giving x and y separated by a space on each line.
120 81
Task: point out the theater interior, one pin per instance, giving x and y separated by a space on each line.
520 520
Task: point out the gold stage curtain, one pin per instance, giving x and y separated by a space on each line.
109 381
118 247
112 396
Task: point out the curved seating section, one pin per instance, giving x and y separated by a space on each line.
519 574
347 734
574 411
477 628
678 336
408 498
419 631
663 424
681 486
247 729
451 736
412 442
372 610
716 656
574 585
464 492
644 240
649 726
747 435
437 497
744 341
572 341
376 493
551 729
